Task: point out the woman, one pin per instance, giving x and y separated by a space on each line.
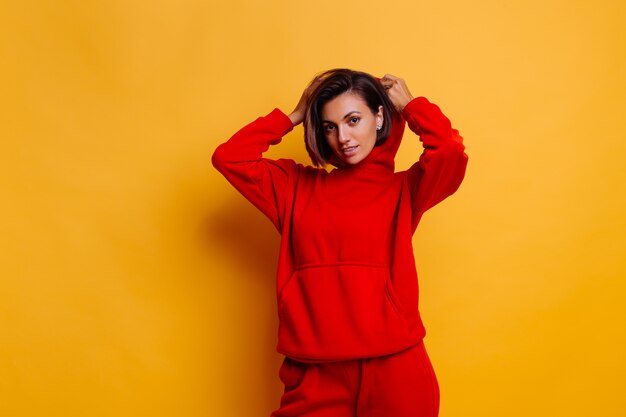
347 293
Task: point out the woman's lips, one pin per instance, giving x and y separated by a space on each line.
350 150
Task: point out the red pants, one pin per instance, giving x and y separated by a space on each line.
398 385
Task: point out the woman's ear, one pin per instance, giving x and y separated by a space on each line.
380 117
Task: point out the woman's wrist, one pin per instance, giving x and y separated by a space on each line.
296 118
404 102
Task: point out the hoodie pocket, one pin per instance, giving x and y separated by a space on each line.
340 311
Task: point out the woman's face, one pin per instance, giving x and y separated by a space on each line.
350 127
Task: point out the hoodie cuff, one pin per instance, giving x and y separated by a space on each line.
414 106
280 121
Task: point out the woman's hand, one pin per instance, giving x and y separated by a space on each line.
397 91
297 116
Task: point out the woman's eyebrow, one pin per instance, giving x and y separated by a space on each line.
348 114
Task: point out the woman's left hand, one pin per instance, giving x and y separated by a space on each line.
397 91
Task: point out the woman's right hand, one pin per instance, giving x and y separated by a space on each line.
297 116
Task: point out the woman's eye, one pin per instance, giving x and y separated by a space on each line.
328 128
354 119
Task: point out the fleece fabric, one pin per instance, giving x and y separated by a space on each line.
346 285
399 385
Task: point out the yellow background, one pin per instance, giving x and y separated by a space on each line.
136 282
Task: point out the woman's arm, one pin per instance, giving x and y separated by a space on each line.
441 167
264 182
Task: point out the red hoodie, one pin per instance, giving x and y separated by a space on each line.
346 282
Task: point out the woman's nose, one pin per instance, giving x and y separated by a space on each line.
341 135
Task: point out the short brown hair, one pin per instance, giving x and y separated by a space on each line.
333 83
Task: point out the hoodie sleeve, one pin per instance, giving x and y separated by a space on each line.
264 182
441 167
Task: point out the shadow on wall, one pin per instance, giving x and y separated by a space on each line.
247 237
249 244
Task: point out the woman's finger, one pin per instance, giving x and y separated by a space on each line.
387 82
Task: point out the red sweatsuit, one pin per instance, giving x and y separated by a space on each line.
346 287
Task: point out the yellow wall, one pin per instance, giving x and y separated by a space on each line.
134 281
